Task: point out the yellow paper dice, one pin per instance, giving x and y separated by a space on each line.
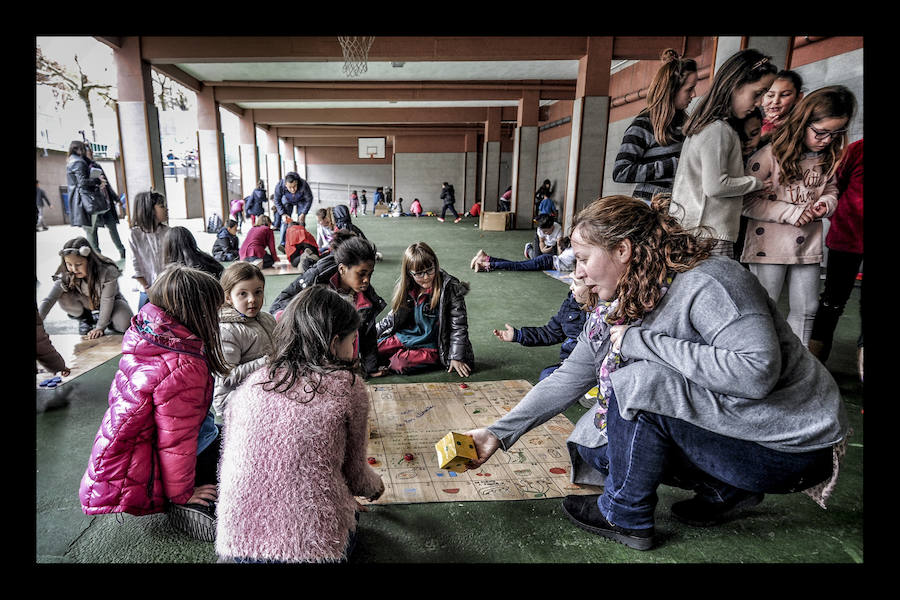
454 451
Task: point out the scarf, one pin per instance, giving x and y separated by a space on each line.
598 331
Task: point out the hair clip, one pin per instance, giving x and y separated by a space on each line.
760 63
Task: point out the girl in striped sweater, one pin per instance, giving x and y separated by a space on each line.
651 145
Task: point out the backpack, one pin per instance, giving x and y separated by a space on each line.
214 223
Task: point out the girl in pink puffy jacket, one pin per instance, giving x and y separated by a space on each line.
294 450
158 445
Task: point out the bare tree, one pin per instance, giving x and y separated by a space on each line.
67 85
167 92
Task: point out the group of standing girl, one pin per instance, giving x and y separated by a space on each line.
758 183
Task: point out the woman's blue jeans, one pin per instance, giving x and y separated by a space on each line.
653 449
542 262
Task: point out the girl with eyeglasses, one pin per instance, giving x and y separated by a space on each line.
147 235
784 242
87 282
710 183
427 324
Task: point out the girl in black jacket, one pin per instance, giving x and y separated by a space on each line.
348 270
427 324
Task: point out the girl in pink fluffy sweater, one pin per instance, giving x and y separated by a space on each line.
294 442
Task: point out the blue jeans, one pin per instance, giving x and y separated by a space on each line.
451 208
542 262
654 449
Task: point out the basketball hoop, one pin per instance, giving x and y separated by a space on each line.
356 53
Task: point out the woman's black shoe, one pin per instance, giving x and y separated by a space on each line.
584 512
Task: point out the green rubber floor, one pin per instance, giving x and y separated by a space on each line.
782 529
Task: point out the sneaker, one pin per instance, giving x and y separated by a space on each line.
700 512
476 259
457 220
196 520
584 512
529 250
441 219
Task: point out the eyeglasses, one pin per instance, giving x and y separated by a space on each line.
821 135
419 274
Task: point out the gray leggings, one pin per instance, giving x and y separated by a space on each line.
120 319
803 292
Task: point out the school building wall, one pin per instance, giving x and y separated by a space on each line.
334 171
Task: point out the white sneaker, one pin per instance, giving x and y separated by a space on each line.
529 250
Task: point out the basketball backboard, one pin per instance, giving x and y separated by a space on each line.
371 147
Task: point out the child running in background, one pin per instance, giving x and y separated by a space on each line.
246 330
427 324
347 270
784 235
546 237
259 244
324 230
180 246
710 182
564 261
779 101
416 208
651 145
237 211
86 282
146 239
157 448
294 456
563 328
226 248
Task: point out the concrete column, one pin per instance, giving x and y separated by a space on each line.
211 145
726 46
273 161
490 172
286 152
300 160
471 171
590 122
138 121
779 48
525 157
248 153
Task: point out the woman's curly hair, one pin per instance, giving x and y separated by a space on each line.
660 245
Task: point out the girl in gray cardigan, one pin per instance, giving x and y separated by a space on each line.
702 383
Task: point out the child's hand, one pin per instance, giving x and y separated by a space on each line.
460 367
378 492
508 335
93 334
65 371
819 210
204 494
381 371
805 218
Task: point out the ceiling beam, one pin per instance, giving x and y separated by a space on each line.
297 116
224 49
188 81
336 131
412 92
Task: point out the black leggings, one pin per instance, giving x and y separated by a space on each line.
840 276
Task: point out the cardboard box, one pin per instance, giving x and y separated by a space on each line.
381 209
496 221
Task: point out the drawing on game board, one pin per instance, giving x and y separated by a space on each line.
535 488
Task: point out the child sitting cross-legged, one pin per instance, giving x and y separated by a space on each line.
427 325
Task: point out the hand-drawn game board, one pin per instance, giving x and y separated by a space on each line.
282 267
564 276
408 419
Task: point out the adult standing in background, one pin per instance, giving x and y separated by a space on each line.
291 192
87 200
110 218
648 155
42 200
